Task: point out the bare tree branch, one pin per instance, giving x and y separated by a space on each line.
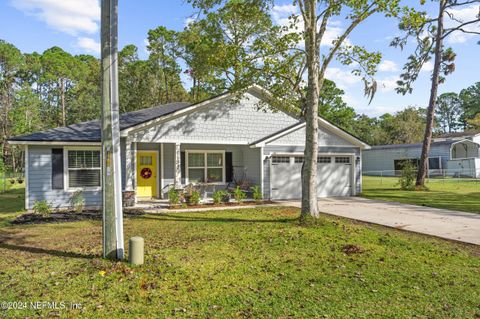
460 28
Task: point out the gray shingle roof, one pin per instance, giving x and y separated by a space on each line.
90 131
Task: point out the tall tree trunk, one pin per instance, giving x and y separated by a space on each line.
427 139
62 101
309 168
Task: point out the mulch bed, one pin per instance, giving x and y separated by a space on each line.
69 216
231 204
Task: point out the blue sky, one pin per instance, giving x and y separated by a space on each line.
35 25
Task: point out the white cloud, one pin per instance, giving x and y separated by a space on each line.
284 9
188 20
463 15
68 16
427 66
388 66
387 84
281 14
88 45
343 78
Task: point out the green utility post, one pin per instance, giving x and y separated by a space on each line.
113 246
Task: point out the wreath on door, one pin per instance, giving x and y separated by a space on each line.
146 173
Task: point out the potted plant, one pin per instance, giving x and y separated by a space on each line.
20 180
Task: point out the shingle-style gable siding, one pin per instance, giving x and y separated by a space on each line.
220 122
325 138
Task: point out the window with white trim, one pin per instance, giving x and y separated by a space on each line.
324 159
206 167
342 159
84 168
299 159
280 159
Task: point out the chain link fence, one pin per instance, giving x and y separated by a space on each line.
11 180
433 175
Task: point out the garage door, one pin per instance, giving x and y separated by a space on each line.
333 176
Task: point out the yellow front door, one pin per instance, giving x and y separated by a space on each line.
146 174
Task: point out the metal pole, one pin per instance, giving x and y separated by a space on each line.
113 246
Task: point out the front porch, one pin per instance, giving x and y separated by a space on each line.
152 169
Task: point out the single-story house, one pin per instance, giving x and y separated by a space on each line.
452 154
214 142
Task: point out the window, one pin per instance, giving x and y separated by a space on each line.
146 160
84 168
342 159
434 163
206 167
298 159
280 159
324 159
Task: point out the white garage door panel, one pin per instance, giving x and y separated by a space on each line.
333 179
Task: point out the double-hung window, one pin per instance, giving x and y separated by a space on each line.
84 169
206 166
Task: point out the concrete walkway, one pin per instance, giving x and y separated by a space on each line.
454 225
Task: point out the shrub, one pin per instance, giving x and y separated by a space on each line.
173 196
42 207
239 194
221 196
77 201
257 193
194 198
406 181
217 197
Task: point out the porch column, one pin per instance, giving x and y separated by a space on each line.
129 169
178 167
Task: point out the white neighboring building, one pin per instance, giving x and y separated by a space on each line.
453 154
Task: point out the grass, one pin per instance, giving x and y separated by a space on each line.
12 202
454 194
251 263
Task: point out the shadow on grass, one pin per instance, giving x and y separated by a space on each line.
16 240
175 217
52 252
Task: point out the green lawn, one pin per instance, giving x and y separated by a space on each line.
12 202
462 195
251 263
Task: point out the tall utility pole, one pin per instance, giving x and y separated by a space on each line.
111 170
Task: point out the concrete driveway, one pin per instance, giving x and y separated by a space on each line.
455 225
